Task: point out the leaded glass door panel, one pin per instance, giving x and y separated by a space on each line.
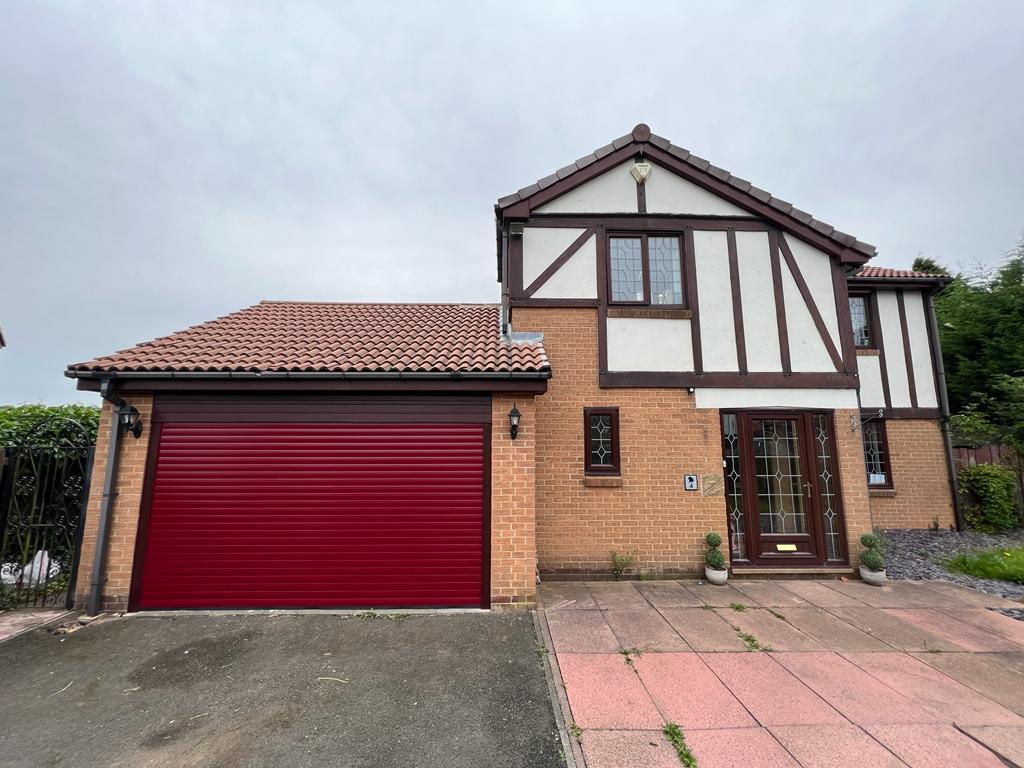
782 488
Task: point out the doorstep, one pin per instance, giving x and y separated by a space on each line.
808 572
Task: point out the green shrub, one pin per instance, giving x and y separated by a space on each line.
872 560
18 421
989 494
714 558
622 562
870 541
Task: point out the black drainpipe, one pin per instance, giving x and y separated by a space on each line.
125 418
940 371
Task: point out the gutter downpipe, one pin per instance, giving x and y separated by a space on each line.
940 371
95 601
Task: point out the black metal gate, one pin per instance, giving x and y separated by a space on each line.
44 485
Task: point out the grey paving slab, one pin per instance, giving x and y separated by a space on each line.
717 597
581 631
770 631
616 595
894 594
968 595
892 630
830 630
559 595
768 594
1000 676
819 593
703 629
668 594
645 629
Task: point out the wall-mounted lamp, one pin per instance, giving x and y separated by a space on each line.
131 420
513 421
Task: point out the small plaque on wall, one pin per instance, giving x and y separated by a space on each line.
690 482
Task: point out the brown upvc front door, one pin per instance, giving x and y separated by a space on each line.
782 488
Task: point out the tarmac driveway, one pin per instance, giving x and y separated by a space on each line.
274 690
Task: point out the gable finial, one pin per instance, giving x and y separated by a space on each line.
642 132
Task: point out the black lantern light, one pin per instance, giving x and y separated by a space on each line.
513 421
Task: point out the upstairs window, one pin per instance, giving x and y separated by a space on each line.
863 334
601 440
646 269
876 454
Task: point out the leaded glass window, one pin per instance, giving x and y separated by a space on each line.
601 434
876 454
779 476
862 333
733 487
627 269
827 481
666 275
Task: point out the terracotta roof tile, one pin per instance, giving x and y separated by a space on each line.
698 162
284 336
901 274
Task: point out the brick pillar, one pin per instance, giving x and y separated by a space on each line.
513 504
124 520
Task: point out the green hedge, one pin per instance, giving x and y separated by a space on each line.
16 421
990 497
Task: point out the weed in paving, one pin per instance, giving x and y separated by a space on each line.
739 607
675 737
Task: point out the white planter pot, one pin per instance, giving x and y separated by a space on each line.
717 578
872 577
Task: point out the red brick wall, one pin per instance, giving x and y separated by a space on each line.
662 437
124 520
513 469
920 477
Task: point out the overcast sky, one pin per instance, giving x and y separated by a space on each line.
162 164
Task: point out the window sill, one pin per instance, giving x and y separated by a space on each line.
882 493
657 313
867 352
593 481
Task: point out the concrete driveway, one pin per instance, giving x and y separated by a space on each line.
788 673
262 690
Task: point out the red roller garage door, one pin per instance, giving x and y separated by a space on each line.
247 515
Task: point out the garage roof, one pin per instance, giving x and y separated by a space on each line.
335 338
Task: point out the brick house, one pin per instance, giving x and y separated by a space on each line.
675 351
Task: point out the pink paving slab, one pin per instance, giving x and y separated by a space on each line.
604 692
688 693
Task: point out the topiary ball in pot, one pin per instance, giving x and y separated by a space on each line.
872 560
713 540
715 559
870 541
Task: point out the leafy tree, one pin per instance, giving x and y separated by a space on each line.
18 421
981 325
931 266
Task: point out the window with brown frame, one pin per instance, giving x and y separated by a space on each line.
862 314
601 441
876 454
646 269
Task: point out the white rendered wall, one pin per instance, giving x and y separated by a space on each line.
892 335
870 373
774 398
714 291
668 193
806 349
644 344
760 326
541 246
816 267
920 350
612 192
576 279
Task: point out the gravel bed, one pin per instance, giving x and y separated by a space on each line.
916 554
